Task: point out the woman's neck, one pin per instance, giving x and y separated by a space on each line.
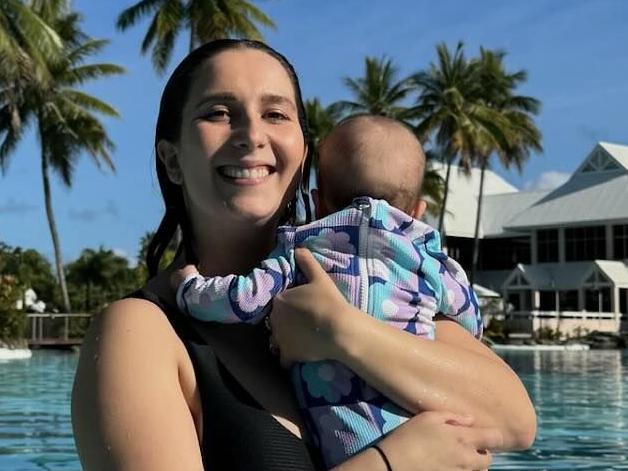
225 248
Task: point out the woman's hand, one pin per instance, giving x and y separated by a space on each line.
438 441
431 441
305 320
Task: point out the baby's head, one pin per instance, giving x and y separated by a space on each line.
369 155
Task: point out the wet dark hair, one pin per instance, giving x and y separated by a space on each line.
168 128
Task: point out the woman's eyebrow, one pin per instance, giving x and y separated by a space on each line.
216 98
270 99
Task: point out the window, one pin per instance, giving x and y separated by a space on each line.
620 242
547 245
623 300
585 243
597 300
504 254
547 300
569 300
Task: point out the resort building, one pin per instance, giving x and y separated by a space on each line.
559 257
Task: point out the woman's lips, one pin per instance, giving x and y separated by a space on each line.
245 175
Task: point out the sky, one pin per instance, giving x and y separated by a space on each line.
575 53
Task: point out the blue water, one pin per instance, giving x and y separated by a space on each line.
581 399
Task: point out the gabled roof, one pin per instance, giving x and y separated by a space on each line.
566 276
596 192
499 209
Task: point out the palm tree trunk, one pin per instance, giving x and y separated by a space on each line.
443 208
478 219
53 228
191 36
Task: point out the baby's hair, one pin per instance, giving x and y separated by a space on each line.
371 155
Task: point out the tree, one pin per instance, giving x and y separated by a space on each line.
30 269
99 277
379 91
206 20
508 131
445 105
26 40
66 119
166 259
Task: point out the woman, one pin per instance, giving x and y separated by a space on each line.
156 391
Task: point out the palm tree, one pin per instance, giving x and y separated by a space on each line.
444 106
205 19
103 271
65 118
509 130
25 39
379 91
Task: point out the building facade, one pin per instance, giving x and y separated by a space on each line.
560 257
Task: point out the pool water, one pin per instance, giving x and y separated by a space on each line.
581 400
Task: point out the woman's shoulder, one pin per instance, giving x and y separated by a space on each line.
131 363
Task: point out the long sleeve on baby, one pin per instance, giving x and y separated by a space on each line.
234 298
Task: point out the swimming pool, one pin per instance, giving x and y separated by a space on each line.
581 399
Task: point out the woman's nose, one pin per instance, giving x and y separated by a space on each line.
249 134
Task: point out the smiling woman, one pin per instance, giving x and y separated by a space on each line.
157 391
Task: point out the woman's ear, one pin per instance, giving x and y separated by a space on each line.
167 153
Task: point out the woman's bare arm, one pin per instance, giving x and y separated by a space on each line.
453 373
129 412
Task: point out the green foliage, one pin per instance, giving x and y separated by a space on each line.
496 330
31 269
379 91
12 321
206 20
548 334
99 277
167 258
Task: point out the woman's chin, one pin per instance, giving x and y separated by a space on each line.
258 213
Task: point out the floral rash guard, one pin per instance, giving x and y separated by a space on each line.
386 263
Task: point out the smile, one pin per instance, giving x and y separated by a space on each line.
240 173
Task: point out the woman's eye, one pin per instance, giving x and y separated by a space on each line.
275 115
218 114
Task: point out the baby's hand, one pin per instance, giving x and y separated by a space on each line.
180 275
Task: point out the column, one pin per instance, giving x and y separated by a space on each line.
609 242
561 244
533 248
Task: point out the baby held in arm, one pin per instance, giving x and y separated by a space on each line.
382 258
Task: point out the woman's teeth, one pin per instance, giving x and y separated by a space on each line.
239 172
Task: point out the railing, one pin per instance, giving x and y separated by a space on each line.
37 336
562 315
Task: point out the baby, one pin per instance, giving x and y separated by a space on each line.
380 256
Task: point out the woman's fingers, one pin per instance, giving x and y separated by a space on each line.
487 438
461 420
308 264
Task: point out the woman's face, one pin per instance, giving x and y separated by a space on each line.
241 145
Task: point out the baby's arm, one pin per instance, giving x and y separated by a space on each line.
454 294
235 298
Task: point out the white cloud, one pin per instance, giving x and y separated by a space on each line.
548 181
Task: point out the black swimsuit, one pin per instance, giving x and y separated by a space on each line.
238 434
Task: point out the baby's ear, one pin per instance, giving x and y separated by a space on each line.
167 153
419 209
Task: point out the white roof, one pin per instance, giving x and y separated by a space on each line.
463 196
498 210
596 192
568 276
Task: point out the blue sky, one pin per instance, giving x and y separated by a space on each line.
575 51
